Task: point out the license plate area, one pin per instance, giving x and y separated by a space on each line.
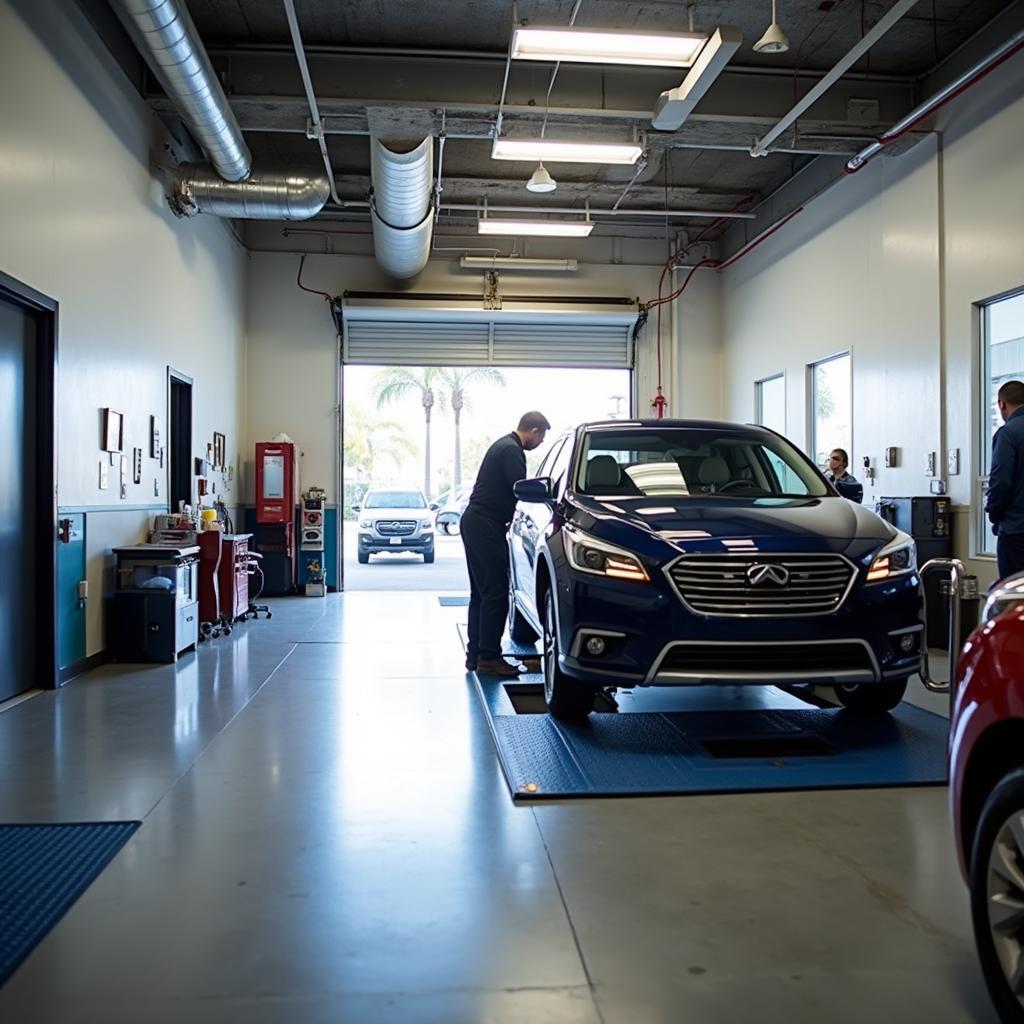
395 540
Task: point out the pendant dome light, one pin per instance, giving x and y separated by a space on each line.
774 40
541 181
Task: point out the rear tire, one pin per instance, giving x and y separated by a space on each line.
568 699
872 698
518 627
995 888
363 556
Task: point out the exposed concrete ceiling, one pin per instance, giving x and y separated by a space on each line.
401 69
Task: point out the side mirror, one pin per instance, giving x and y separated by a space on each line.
434 506
537 489
852 491
357 508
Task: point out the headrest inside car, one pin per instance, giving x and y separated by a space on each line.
603 471
714 470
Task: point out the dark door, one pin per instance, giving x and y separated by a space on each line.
180 441
20 516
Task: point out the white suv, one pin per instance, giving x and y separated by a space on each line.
395 520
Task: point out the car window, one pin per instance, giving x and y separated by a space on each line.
691 461
549 460
395 499
560 464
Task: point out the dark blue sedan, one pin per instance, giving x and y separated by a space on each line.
680 553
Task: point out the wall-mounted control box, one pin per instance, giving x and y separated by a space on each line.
953 462
892 457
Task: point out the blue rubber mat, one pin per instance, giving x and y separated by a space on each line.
453 600
43 870
715 740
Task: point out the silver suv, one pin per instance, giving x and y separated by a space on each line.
395 520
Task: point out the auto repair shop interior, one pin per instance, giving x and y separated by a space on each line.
246 775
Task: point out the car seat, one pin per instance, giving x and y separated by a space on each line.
603 473
714 471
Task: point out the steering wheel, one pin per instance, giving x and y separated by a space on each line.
731 484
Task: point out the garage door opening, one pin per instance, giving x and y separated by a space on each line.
413 438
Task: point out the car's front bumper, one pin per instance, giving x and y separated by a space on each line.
652 639
369 544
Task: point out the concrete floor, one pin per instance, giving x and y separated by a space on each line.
327 837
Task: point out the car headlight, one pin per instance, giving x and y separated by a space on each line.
365 524
588 554
897 558
1008 593
427 526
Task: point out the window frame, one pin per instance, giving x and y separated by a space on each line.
811 410
759 400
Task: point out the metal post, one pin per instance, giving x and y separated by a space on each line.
956 572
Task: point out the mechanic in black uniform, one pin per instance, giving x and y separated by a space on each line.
483 528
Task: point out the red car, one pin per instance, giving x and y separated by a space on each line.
987 790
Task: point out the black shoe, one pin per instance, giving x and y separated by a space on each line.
471 662
495 667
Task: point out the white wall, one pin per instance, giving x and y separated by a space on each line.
84 221
888 264
293 348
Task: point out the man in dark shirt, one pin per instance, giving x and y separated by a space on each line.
483 527
1005 501
839 475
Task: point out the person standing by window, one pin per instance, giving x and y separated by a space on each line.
839 476
1005 500
484 526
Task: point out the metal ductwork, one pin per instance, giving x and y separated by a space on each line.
401 208
270 195
166 37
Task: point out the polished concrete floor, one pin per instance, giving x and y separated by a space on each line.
327 838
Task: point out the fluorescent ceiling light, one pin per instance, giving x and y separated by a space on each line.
566 152
587 46
674 107
515 263
561 228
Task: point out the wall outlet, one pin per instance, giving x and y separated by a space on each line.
929 464
953 462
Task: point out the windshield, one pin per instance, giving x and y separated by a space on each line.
395 499
693 462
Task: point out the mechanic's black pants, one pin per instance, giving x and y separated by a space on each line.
1010 553
487 559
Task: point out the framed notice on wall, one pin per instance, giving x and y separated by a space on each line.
113 430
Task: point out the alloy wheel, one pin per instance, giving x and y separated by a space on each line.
1006 901
550 648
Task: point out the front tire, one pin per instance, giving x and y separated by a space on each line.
568 699
518 627
872 698
363 557
997 892
428 557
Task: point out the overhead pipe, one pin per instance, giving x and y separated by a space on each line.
401 208
166 37
355 204
886 22
226 187
270 195
936 102
316 125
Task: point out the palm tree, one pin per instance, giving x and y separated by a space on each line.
398 381
368 440
457 382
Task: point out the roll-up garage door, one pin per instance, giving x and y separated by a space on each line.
428 337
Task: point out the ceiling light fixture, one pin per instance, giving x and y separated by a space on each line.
587 46
774 40
549 228
566 152
541 181
676 105
516 263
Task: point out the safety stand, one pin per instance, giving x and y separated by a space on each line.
958 590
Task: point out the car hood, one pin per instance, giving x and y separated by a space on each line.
702 525
396 513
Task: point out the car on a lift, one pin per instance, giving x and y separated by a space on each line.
986 788
684 552
395 520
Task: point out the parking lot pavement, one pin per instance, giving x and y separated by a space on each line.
406 570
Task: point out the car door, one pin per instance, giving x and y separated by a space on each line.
523 536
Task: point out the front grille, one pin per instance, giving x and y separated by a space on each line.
774 660
780 586
396 527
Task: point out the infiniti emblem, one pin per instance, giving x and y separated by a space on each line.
762 574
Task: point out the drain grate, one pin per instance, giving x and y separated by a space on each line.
771 747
